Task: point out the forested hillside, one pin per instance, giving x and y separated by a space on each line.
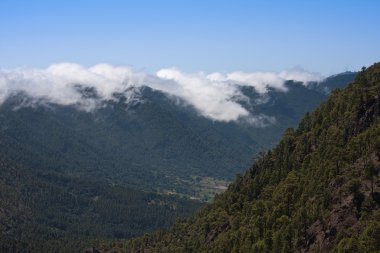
318 190
151 142
69 177
51 212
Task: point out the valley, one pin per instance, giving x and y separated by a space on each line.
130 166
150 142
317 190
161 126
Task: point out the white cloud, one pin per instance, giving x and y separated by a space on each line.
301 76
213 96
260 80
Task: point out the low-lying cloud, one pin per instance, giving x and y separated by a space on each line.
214 95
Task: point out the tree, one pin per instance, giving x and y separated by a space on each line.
370 171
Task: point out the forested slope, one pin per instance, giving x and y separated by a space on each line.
151 141
318 190
51 212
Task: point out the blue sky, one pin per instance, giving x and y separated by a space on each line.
198 35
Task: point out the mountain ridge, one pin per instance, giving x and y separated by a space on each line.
316 191
152 143
71 176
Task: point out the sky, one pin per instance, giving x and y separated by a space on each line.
194 36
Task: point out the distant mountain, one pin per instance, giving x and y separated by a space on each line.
70 176
152 142
318 190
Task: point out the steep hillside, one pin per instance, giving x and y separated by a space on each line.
151 142
50 212
318 190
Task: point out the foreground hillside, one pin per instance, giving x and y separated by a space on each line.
50 212
318 190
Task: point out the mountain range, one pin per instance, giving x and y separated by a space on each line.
133 165
151 141
317 190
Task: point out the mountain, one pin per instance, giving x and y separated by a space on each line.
148 140
70 176
318 190
51 212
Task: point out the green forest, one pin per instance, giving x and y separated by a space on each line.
51 212
153 144
164 126
318 190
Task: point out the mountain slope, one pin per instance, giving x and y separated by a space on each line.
151 142
51 212
318 190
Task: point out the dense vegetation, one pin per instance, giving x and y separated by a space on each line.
151 142
318 190
50 212
69 177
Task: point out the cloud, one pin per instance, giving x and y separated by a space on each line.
215 96
261 81
301 75
211 98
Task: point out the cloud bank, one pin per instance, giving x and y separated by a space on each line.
214 95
